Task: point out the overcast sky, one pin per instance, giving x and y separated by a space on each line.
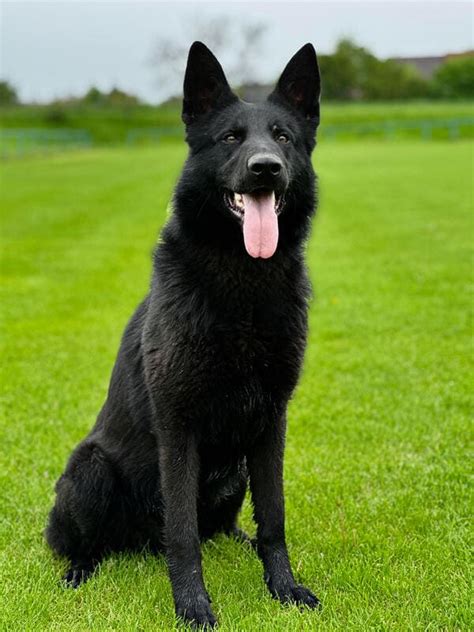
56 49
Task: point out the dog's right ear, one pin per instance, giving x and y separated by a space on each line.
205 84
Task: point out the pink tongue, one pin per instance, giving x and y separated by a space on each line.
260 224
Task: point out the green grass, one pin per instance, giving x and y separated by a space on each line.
376 464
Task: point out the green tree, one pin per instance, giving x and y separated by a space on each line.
344 72
119 97
94 96
455 78
8 94
390 80
353 72
115 97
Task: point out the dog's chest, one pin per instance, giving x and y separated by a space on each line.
228 357
248 366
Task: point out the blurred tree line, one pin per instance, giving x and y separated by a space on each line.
115 97
354 73
93 96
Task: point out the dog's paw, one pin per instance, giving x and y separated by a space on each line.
77 575
197 612
296 594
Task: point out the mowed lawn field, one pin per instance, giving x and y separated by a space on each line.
376 471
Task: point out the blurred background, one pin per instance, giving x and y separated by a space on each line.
93 73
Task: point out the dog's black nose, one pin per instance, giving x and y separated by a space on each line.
265 165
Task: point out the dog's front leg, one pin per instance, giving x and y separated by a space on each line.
179 470
266 483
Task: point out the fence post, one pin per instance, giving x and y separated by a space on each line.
427 130
453 128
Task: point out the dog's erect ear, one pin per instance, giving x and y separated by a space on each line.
205 84
300 84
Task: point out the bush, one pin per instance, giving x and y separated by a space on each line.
55 116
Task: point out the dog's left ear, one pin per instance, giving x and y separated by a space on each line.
299 86
205 84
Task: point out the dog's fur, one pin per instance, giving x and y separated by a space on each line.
197 402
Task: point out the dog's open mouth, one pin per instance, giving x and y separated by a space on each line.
258 211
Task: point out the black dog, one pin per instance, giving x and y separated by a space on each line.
197 401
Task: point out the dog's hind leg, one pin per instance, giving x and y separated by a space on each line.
78 522
79 572
220 505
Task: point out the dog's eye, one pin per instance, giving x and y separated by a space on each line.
230 138
282 138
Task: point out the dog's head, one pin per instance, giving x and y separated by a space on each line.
250 158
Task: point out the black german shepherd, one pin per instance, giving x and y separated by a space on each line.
197 401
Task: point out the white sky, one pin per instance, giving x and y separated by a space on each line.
54 49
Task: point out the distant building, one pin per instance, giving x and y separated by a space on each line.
427 66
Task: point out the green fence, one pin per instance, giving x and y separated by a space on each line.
21 142
427 129
452 128
147 135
